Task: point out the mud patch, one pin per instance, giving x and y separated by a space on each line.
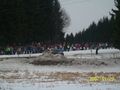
74 77
51 59
50 62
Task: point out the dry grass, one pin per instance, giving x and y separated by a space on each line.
56 76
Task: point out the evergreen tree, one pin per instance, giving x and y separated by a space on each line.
100 32
116 16
31 20
70 39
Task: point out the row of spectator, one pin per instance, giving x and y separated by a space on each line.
40 47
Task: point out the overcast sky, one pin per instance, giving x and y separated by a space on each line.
84 12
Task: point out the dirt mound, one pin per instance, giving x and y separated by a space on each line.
47 58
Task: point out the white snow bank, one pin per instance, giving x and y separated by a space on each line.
20 55
90 54
92 51
67 54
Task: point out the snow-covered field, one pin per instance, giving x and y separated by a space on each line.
17 73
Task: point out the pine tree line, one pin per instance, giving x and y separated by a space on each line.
105 31
100 32
24 21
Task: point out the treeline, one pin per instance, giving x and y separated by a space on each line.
24 21
116 15
101 32
105 31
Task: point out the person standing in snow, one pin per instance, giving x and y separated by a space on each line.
97 48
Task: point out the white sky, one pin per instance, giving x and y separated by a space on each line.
84 12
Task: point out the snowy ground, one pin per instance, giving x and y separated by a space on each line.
18 74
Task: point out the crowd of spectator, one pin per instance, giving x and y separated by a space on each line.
41 47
